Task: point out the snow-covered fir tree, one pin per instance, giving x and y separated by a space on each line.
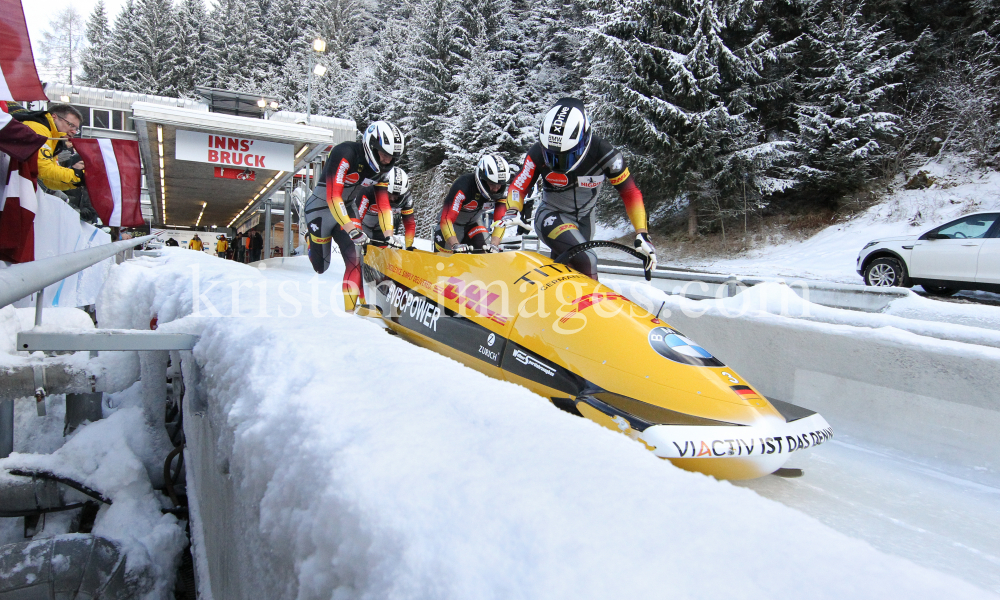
192 44
845 122
123 70
238 39
673 88
96 59
154 46
432 61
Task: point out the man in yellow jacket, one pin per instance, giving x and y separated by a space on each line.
195 243
60 121
221 246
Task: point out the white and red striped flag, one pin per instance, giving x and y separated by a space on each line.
18 77
18 205
113 179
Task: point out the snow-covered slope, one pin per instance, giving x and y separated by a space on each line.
831 254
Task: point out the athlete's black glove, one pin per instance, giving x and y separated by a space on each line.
358 236
83 180
645 247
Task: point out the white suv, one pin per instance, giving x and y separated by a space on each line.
961 255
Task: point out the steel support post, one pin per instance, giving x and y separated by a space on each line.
267 230
287 222
6 427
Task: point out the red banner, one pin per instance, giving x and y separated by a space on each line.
18 77
113 177
240 174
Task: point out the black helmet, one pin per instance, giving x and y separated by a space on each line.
565 135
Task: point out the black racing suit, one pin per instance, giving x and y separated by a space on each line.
464 215
565 215
329 208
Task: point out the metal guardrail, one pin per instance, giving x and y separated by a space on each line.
104 340
705 286
18 281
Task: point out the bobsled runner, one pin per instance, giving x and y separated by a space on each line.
522 317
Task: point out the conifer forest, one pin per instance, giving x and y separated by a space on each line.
723 107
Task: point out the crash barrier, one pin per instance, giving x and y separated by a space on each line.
18 281
68 566
702 286
47 376
932 399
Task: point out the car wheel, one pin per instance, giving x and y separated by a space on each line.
939 290
885 271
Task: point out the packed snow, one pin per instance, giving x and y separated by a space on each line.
832 253
385 470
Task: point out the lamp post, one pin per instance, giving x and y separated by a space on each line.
318 46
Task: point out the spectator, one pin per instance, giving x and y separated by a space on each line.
256 245
60 121
195 243
221 246
172 242
238 248
78 197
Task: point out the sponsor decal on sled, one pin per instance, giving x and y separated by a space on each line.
670 344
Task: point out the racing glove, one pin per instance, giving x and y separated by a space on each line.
645 247
493 248
509 219
396 241
358 236
461 248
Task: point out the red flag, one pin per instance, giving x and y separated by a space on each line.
113 179
17 139
18 77
17 211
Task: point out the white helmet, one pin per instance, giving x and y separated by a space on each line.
398 182
565 135
384 136
492 168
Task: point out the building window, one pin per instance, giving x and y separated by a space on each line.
116 116
102 119
85 113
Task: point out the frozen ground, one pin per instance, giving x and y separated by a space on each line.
387 471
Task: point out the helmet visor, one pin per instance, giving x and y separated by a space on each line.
564 162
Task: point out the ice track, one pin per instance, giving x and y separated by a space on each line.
560 521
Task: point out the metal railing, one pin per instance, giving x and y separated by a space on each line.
19 281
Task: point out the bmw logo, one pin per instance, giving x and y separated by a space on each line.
491 339
670 344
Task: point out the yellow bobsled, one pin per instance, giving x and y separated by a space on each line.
521 317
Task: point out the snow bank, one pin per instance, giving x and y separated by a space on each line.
359 466
831 254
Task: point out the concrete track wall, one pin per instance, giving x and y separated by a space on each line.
932 399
